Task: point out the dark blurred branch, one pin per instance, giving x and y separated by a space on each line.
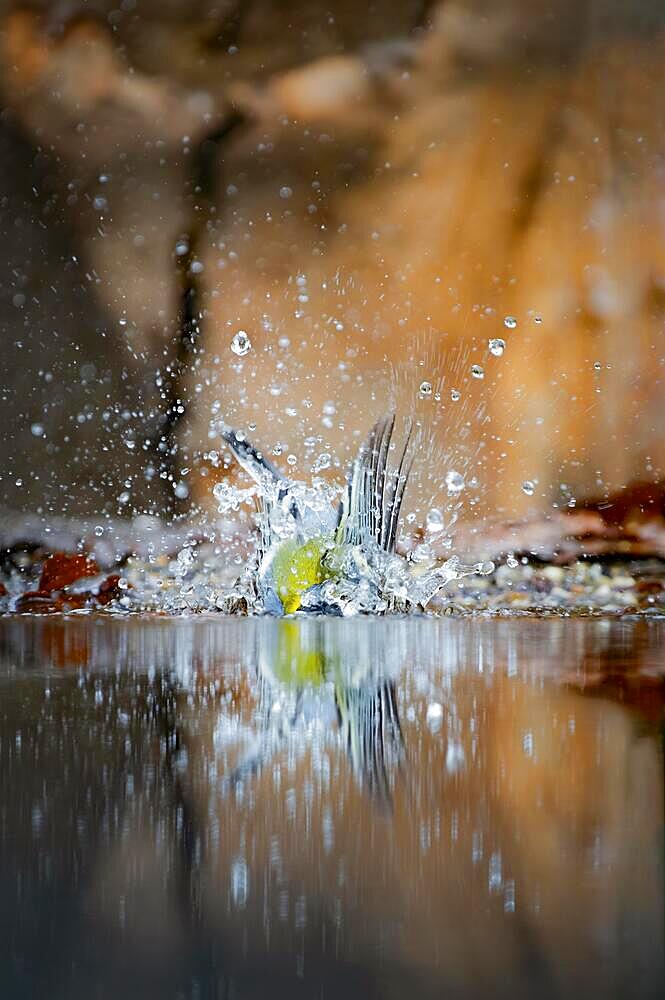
205 184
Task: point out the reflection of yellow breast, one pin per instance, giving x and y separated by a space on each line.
296 567
298 661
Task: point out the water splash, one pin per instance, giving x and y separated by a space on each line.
319 555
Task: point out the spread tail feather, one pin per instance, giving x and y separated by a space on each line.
375 493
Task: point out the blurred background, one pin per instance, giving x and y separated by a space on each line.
288 216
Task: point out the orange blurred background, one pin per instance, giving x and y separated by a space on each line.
371 198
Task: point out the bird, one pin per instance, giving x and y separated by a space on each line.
327 558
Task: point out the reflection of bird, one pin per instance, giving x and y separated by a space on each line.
306 542
305 671
370 725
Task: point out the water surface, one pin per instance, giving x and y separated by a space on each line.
249 808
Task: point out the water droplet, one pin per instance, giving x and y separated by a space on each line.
434 520
477 371
241 344
538 319
277 449
291 459
497 346
528 487
99 530
454 482
597 365
422 553
37 430
184 561
485 568
285 192
455 395
510 322
511 561
425 388
322 462
230 497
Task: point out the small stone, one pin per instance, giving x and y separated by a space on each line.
623 582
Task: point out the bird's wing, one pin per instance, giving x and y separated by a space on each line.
251 460
375 492
274 486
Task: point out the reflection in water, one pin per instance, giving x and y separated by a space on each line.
306 665
189 809
371 730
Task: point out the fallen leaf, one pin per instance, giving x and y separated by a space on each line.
61 569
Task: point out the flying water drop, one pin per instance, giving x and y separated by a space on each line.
454 482
434 521
323 462
241 344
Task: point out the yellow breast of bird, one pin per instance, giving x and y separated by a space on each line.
296 567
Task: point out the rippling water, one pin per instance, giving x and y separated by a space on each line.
325 808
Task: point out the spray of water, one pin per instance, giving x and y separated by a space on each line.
318 554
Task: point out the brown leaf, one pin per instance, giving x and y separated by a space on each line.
61 569
36 603
108 590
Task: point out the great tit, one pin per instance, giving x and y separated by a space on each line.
307 542
340 558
